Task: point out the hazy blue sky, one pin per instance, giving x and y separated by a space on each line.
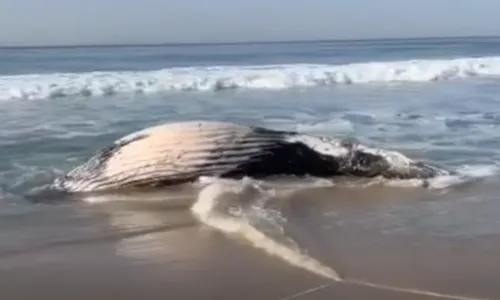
28 22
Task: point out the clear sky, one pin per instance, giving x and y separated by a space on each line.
56 22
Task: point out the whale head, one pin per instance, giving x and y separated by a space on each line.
356 159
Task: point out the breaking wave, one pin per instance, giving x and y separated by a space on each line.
43 86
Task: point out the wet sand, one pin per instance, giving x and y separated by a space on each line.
80 251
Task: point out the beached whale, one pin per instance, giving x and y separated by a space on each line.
181 152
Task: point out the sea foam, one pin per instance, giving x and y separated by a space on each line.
43 86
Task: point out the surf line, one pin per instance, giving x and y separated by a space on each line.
207 210
409 290
382 287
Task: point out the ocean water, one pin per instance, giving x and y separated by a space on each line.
437 100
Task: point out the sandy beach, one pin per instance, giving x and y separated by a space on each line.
80 251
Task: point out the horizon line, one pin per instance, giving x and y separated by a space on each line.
178 44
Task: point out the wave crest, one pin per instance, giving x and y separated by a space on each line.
42 86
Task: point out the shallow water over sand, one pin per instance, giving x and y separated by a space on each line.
433 105
401 237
